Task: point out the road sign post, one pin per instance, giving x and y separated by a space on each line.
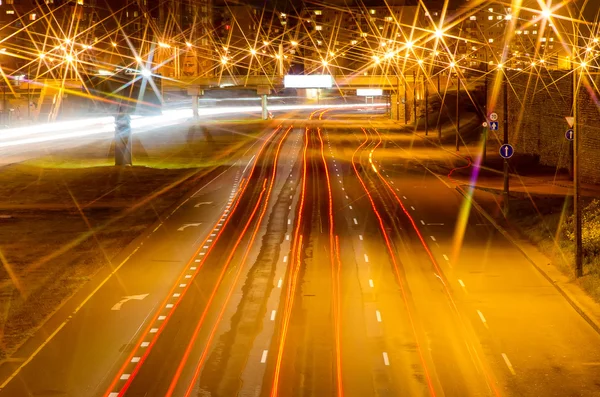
576 188
505 127
457 110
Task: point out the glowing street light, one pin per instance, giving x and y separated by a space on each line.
452 64
138 59
252 51
42 55
69 58
439 33
163 45
546 13
188 44
376 59
500 66
265 42
583 64
224 60
420 61
324 62
294 43
114 44
146 72
409 44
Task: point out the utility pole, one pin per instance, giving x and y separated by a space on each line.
426 106
457 110
440 113
576 187
415 97
405 101
506 187
485 129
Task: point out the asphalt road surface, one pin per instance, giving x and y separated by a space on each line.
326 262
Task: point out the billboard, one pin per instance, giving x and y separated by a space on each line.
369 92
308 81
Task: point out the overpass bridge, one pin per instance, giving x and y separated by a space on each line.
276 82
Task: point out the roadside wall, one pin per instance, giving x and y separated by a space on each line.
537 106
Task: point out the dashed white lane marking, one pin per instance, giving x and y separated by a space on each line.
350 206
347 198
360 237
291 197
343 189
161 318
124 377
182 285
412 208
213 234
508 364
366 258
386 359
279 283
371 283
188 276
203 253
176 295
273 313
378 315
340 181
435 224
205 247
289 221
209 241
404 197
355 221
285 259
197 260
114 394
461 283
263 359
422 222
446 257
287 236
290 207
145 344
193 268
169 306
433 238
481 317
135 360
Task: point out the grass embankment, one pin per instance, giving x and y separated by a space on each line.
546 221
66 215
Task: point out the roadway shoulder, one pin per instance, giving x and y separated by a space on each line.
573 294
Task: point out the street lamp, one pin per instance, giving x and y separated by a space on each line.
252 51
439 33
188 44
294 43
224 60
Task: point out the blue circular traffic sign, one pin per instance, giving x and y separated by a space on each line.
570 134
506 151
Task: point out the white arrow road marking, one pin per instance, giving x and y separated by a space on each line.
182 228
203 203
118 305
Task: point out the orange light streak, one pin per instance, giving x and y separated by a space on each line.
334 271
394 262
144 334
295 267
234 283
489 379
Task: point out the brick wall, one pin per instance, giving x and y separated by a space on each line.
537 107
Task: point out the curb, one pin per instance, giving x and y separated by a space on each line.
593 322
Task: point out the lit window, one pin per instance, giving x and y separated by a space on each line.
490 40
80 2
10 11
372 12
526 32
135 13
318 27
499 17
284 23
474 48
508 17
473 18
283 15
490 9
490 18
10 2
319 42
363 34
318 12
353 42
380 27
534 32
519 32
32 17
551 38
543 39
388 19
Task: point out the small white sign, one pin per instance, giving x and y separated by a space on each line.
369 92
308 81
494 116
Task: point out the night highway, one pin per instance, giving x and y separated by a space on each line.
323 262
